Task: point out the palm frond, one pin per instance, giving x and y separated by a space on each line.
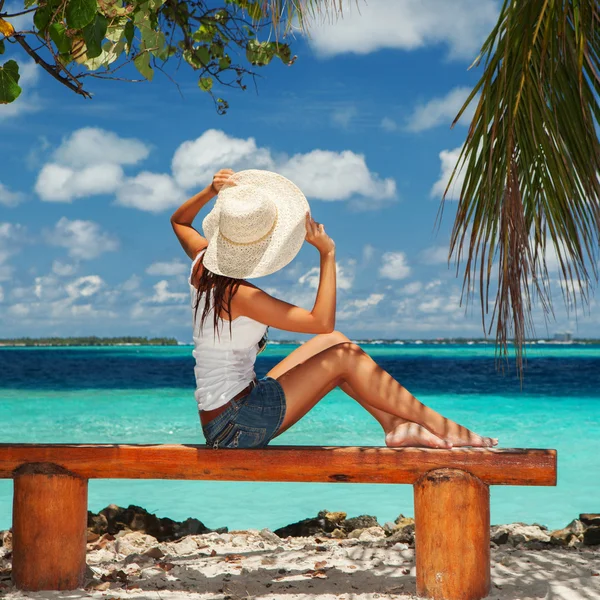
531 162
285 13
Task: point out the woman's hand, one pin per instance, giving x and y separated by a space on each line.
316 236
220 179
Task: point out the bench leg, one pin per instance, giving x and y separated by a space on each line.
452 535
49 528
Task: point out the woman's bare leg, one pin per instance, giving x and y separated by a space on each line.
306 383
398 431
317 344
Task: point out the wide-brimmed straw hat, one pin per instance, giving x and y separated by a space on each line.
257 225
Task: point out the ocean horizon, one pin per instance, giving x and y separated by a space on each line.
144 394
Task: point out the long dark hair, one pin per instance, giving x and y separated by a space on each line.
223 289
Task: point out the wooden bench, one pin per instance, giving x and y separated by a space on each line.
451 491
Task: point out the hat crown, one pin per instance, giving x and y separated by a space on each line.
246 213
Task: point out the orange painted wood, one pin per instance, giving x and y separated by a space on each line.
506 466
49 528
452 536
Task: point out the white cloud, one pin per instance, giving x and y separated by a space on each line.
449 158
394 266
12 237
83 239
344 115
162 294
368 253
344 276
84 287
93 146
196 161
444 304
461 26
152 192
388 124
168 268
355 307
8 198
87 163
321 174
410 289
59 183
442 110
436 255
326 175
63 269
1 294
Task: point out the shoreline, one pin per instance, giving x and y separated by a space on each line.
275 342
321 558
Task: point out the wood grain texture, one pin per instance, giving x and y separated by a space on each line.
452 536
49 529
347 464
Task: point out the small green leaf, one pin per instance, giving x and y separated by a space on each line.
260 53
285 53
205 33
205 84
2 49
93 34
155 4
216 50
59 37
225 63
142 64
154 41
81 13
203 55
129 31
9 82
41 18
30 3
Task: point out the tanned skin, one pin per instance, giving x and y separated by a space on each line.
329 359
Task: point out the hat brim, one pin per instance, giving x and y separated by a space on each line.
274 251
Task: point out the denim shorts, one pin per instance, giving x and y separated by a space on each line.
250 422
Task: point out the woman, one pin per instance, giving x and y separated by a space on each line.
257 226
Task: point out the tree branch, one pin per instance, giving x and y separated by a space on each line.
78 89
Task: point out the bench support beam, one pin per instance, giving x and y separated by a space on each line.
452 536
49 528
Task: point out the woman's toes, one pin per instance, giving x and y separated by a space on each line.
413 435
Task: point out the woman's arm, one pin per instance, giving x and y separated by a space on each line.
182 219
260 306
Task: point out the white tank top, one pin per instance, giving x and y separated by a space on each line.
224 363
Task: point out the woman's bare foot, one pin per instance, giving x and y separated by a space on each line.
464 437
411 434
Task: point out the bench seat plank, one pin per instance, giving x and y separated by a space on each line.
349 464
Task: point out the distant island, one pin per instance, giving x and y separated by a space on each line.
559 339
90 341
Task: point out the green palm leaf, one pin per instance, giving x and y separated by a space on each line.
531 162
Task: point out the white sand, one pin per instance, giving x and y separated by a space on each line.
252 564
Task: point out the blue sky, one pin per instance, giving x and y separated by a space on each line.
361 122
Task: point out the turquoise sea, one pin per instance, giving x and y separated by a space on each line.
145 395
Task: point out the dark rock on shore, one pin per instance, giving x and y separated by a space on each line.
324 523
113 519
590 519
361 522
591 536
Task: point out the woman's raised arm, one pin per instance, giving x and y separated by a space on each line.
181 220
260 306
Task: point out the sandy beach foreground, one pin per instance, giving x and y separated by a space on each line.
528 561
